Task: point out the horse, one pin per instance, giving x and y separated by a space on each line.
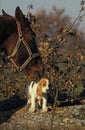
18 41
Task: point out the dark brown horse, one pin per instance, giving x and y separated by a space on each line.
18 41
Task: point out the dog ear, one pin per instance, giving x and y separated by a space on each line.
39 90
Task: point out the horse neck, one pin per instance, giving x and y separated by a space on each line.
35 70
7 28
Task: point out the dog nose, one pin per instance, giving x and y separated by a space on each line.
48 89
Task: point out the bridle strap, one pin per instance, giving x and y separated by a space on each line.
21 40
15 48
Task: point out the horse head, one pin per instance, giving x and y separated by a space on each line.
18 41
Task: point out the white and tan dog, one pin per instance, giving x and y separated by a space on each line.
38 91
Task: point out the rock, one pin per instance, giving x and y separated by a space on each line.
66 120
63 118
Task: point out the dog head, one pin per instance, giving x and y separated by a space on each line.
43 86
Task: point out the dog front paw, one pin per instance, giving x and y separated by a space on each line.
32 109
44 110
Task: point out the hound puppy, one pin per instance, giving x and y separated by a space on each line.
38 91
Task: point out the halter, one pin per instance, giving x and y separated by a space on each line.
20 41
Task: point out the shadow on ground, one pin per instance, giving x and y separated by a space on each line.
9 106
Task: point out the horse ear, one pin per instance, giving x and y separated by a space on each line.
19 15
4 13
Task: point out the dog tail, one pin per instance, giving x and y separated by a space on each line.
27 89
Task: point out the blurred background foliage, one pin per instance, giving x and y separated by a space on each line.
62 47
